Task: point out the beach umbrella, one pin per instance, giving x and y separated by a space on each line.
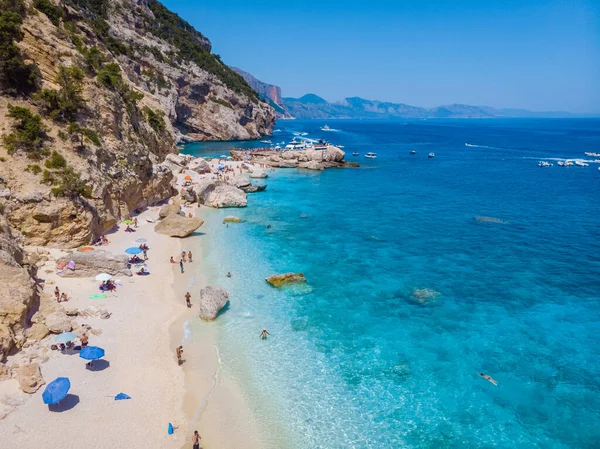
103 277
91 353
223 156
127 221
188 178
140 240
65 337
121 397
56 390
133 250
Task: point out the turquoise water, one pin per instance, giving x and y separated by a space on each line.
357 359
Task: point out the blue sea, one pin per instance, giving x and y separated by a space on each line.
410 295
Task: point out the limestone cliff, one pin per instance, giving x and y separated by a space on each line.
269 92
112 86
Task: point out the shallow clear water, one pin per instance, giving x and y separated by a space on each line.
364 356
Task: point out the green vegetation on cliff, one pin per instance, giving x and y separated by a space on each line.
28 135
16 77
192 47
64 104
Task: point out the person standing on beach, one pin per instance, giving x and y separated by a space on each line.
183 255
135 222
187 299
179 351
181 265
196 440
189 256
145 254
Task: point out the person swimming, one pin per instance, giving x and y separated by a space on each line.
263 334
488 378
229 274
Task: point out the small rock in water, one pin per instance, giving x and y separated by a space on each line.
279 280
425 296
483 219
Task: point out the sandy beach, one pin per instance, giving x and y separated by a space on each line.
148 317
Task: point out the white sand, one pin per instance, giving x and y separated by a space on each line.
142 364
148 316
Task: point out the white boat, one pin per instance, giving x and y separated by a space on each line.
325 128
413 152
587 153
371 155
265 141
431 155
561 163
355 154
581 163
295 146
544 164
568 163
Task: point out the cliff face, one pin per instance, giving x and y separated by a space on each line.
269 92
118 83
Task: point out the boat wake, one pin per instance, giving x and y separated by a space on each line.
486 146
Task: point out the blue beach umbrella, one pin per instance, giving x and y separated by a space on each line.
133 250
65 337
91 353
56 390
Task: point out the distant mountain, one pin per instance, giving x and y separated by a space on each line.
312 106
268 92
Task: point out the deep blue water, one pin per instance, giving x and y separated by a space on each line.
355 360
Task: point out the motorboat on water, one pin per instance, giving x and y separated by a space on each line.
325 128
587 153
544 164
370 155
568 163
413 152
355 154
561 163
581 163
431 155
294 145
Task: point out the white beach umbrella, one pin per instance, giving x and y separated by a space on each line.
103 277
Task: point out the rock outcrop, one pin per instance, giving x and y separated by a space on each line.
279 280
89 264
199 165
254 189
148 80
212 300
219 194
311 165
258 173
37 332
18 292
317 158
30 378
175 225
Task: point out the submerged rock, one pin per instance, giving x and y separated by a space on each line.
212 300
425 296
232 219
483 219
178 226
279 280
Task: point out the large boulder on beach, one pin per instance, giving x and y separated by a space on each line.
58 322
258 173
254 189
279 280
169 209
91 263
177 226
199 165
212 300
240 182
221 194
37 332
30 378
175 162
311 165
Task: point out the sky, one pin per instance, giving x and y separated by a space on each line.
538 55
